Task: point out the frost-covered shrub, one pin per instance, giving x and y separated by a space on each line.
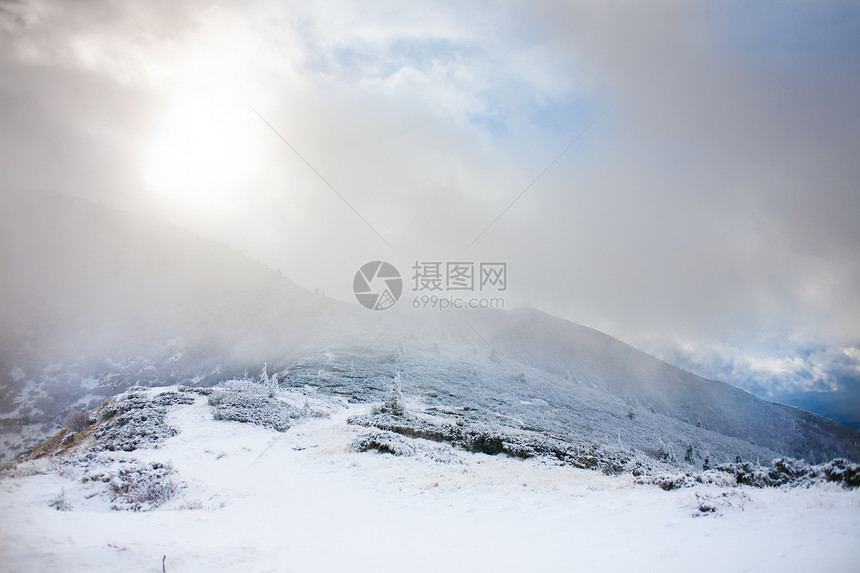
135 420
669 482
384 442
664 453
198 504
717 478
77 421
147 494
706 506
639 467
25 468
253 407
787 470
587 456
782 472
134 486
244 386
308 411
709 504
59 503
744 473
493 440
484 443
408 426
841 471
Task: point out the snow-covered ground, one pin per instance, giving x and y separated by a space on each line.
258 500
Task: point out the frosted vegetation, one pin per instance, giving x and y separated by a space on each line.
265 449
397 425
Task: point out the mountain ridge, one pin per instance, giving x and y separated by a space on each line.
121 301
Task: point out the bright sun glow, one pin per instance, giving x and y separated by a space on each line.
201 152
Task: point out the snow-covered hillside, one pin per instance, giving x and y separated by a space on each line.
160 481
96 301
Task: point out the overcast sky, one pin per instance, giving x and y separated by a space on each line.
709 215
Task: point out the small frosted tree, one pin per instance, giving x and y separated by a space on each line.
394 405
631 405
271 383
666 452
688 454
495 356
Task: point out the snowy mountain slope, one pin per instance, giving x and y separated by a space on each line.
96 300
461 376
593 358
241 496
